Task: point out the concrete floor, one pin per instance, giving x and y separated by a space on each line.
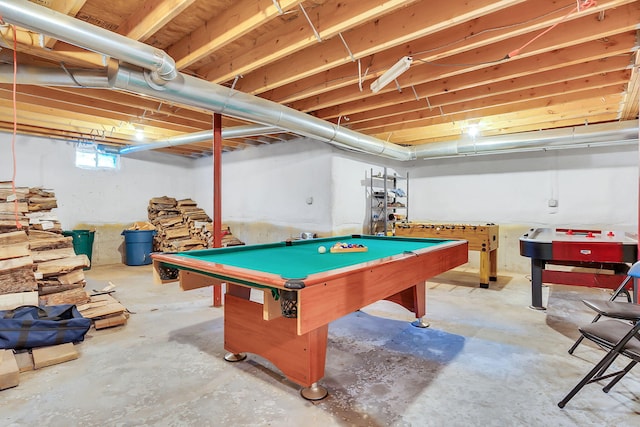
486 360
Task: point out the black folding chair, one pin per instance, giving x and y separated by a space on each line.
634 272
618 334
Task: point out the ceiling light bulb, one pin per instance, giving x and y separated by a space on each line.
473 131
139 135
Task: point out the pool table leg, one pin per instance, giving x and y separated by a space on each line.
217 295
314 392
413 299
537 265
235 357
301 358
420 323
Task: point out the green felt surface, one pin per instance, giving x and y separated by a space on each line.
302 259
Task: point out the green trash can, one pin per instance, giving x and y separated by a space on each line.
82 242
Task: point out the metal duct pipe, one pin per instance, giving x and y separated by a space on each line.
227 101
31 75
196 92
436 149
205 135
79 33
578 136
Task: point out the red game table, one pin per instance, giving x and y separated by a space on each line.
595 249
304 290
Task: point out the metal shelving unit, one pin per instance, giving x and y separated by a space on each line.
389 201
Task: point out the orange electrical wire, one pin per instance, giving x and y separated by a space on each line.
15 128
586 4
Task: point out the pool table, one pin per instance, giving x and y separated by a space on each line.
304 290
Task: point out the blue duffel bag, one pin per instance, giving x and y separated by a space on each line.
30 326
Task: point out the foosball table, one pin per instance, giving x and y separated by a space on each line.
482 238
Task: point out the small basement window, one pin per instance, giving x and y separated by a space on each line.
87 157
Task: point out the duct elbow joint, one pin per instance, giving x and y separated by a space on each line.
167 70
156 81
164 71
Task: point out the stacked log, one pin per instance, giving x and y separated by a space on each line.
162 207
104 310
40 203
228 239
202 231
43 261
39 266
191 214
17 281
30 207
174 221
59 271
182 226
231 240
163 214
13 207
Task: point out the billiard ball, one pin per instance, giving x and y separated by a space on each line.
322 249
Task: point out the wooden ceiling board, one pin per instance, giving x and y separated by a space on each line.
574 66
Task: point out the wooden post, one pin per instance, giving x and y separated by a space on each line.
217 197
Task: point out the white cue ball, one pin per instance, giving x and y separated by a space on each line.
322 249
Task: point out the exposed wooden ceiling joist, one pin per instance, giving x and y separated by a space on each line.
319 57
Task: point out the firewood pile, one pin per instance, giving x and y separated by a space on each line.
38 264
182 226
228 239
13 207
104 309
37 259
40 203
30 207
40 269
10 217
16 269
58 270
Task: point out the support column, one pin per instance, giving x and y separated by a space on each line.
217 197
